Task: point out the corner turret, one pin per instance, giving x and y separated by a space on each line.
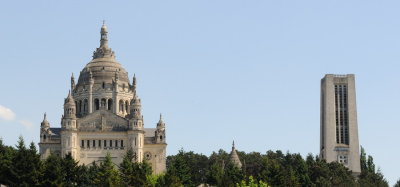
160 131
69 117
45 124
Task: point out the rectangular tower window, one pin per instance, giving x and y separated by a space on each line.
110 143
83 143
122 143
99 143
88 143
116 143
341 114
94 143
105 143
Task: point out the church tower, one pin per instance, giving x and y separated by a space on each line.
135 127
339 129
234 157
68 128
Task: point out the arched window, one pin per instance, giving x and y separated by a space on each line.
85 106
103 103
80 107
110 104
121 106
104 85
96 104
126 106
44 137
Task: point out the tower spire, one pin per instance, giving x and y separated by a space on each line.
104 37
72 82
103 51
134 84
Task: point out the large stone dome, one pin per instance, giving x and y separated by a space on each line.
103 70
103 83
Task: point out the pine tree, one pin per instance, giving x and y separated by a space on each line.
70 169
107 175
26 165
133 173
6 155
52 174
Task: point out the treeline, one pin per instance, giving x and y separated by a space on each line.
22 166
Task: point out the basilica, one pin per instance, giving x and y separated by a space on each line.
102 114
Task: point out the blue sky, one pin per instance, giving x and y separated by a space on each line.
217 70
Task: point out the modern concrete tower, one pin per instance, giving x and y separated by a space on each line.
339 131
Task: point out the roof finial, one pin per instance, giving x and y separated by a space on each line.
103 38
160 116
233 144
104 22
134 84
45 117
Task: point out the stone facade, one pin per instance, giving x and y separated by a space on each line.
102 114
339 129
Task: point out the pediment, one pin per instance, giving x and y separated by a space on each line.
102 120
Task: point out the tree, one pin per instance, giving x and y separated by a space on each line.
107 175
252 183
25 160
177 166
397 183
70 169
6 155
232 175
133 173
168 180
53 173
369 176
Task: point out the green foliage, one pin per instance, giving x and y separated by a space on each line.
21 166
25 159
397 183
370 177
189 167
6 162
252 183
52 172
107 175
135 174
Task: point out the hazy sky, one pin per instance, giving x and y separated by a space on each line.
217 70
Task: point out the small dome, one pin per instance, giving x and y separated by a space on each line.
160 123
69 100
45 123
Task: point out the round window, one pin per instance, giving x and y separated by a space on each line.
147 155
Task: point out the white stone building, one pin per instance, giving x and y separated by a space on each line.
339 129
102 114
